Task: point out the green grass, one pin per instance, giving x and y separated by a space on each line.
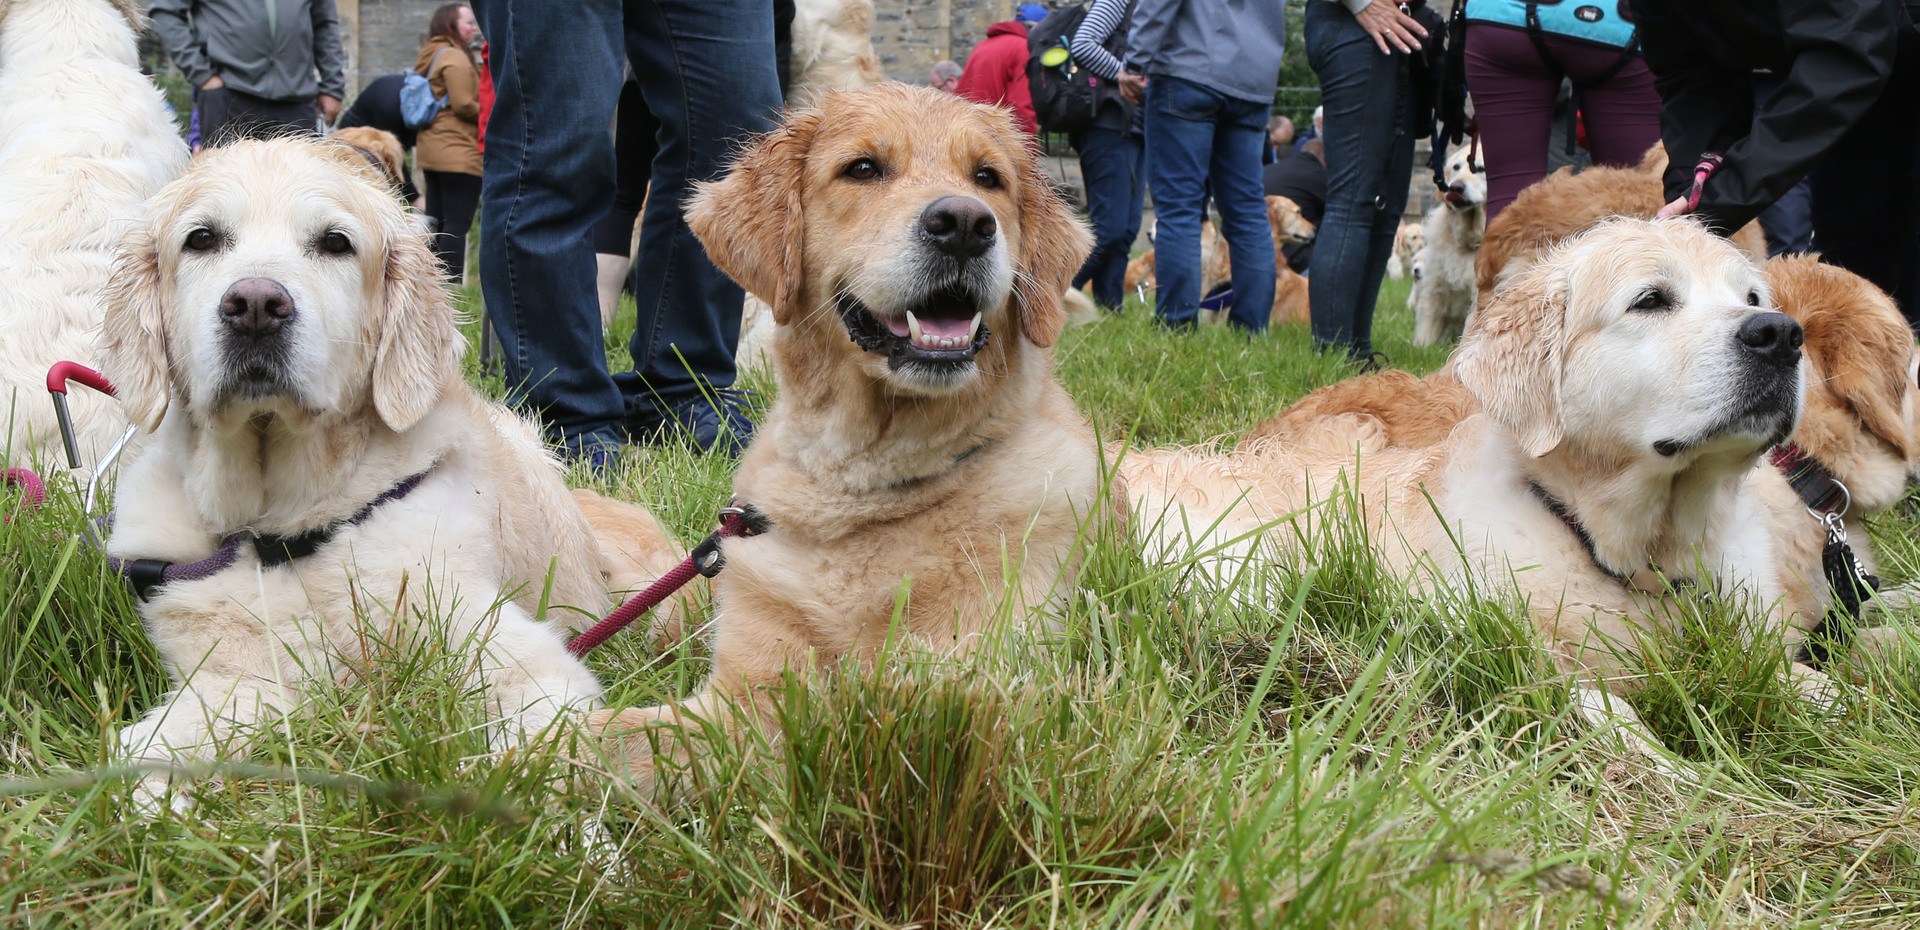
1356 758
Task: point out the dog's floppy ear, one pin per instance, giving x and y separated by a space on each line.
1860 348
134 332
419 347
750 220
1053 246
1515 358
1872 388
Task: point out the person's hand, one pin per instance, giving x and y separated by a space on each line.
329 107
1133 87
213 83
1383 21
1677 208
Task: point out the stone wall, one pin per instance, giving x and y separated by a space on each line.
910 35
382 36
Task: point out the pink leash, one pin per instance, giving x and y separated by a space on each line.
705 559
1710 162
30 485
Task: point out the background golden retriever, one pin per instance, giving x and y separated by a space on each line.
1564 203
85 139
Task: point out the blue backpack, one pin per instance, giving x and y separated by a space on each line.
418 105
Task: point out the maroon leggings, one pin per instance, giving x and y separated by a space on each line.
1513 93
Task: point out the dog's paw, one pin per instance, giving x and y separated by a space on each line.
157 793
629 741
1815 688
1899 599
1619 724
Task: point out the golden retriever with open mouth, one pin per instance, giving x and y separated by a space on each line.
1623 388
915 257
320 475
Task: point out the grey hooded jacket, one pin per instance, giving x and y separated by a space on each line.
1231 46
268 48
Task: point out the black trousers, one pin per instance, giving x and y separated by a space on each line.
1866 192
227 114
452 198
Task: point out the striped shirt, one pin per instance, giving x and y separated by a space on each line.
1089 41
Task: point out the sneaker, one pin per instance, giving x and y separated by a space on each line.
715 422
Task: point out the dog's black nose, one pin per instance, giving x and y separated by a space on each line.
959 226
256 306
1773 336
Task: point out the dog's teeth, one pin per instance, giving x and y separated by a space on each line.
913 327
973 329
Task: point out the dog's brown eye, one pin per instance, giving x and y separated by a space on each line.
200 239
336 242
987 178
1753 298
862 169
1655 299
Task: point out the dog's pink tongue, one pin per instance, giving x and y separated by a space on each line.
896 325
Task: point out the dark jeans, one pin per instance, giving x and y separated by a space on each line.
452 198
1788 223
706 71
1513 94
1199 139
635 142
227 114
1866 209
1116 190
1369 138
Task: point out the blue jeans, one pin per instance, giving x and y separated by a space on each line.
1116 191
706 71
1369 140
1196 135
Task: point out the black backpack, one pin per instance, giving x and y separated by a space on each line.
1066 96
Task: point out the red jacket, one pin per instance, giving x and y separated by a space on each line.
996 72
486 93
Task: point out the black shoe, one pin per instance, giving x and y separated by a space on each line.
1369 363
715 422
600 459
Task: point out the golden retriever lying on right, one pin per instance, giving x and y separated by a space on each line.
1858 423
915 257
1623 386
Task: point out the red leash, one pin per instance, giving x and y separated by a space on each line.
705 559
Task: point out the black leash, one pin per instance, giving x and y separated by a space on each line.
144 575
1848 582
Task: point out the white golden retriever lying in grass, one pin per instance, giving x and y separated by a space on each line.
85 139
281 328
1624 387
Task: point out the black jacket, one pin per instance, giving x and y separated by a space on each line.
378 106
1833 58
1302 179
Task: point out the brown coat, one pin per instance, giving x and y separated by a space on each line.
452 141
